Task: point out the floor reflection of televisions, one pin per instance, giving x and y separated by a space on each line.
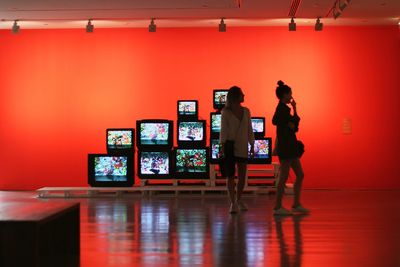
345 228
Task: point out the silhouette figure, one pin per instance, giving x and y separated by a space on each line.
287 149
236 129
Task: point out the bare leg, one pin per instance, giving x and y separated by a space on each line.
242 170
298 170
283 176
230 182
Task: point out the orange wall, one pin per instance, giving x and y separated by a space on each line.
60 90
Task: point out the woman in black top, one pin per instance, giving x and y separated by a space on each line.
287 149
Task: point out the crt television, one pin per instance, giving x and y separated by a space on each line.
154 134
219 98
258 124
154 164
188 109
214 150
215 124
110 170
191 163
191 133
262 151
120 140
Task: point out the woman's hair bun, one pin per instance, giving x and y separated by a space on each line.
280 83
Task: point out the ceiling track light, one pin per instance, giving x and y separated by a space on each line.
318 25
292 25
222 26
89 26
152 26
15 28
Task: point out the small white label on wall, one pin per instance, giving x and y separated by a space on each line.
346 126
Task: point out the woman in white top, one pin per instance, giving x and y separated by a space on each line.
236 126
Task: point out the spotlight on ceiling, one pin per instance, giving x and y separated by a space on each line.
292 25
152 26
319 25
89 26
15 28
222 26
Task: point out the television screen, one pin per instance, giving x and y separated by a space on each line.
215 119
262 151
154 164
219 98
120 139
258 124
187 109
110 170
191 133
154 134
215 153
192 162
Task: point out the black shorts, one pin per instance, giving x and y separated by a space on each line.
240 160
228 165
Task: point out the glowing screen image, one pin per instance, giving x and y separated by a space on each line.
191 160
154 133
261 149
187 108
154 163
190 131
258 125
216 123
220 97
108 168
119 139
215 144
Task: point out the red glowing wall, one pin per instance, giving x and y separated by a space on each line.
60 90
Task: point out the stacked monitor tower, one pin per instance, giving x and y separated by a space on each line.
191 155
116 167
154 143
219 100
158 159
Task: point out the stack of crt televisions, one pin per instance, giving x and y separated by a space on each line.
116 168
262 145
219 100
191 156
154 143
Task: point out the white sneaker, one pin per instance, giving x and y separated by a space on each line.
300 209
282 212
234 208
242 206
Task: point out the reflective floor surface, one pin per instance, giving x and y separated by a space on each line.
345 228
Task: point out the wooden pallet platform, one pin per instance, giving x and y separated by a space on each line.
174 182
87 192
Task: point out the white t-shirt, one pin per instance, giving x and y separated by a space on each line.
239 131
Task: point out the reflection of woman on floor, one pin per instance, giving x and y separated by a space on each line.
232 249
286 259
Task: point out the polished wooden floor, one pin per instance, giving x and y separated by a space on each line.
345 228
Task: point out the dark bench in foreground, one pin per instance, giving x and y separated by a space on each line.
34 234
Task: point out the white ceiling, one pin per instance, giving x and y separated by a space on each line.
189 13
